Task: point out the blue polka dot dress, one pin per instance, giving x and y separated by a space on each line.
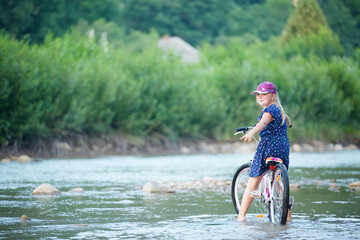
274 142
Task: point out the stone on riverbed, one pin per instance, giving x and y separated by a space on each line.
294 186
154 187
77 190
334 188
5 160
19 159
24 159
46 189
205 183
80 225
25 218
354 185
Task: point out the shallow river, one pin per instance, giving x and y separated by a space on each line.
113 205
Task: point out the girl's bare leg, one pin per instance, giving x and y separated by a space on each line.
289 216
252 185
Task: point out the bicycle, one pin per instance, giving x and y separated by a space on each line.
272 195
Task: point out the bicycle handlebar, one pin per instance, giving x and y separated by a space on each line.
242 130
245 129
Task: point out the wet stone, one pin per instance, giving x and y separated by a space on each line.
77 190
203 184
354 185
46 189
25 218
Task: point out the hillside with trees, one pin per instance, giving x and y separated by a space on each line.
59 84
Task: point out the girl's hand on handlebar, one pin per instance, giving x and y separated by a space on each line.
247 137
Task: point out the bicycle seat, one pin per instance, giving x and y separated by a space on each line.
273 159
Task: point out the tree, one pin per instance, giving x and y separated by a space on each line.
354 7
16 16
38 17
323 44
342 23
308 17
194 21
262 20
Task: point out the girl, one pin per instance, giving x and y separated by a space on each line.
274 141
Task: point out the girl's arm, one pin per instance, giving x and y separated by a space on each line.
265 120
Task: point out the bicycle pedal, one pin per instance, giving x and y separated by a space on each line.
255 194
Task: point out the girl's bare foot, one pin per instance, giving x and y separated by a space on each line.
241 219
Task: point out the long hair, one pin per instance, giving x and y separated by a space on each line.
278 104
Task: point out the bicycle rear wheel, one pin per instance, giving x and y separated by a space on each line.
238 186
279 205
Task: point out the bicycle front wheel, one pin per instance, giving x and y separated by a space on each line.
279 204
238 186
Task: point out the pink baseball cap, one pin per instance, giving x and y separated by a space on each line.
265 87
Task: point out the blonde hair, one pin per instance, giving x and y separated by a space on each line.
278 104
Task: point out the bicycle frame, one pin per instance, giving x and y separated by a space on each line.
265 189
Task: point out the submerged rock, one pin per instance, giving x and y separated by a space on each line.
354 185
334 188
154 187
46 189
294 186
77 190
205 183
25 218
80 225
320 183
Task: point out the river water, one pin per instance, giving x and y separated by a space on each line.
113 205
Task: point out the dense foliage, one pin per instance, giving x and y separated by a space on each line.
68 84
194 21
307 18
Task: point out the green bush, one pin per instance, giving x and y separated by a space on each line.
323 44
70 85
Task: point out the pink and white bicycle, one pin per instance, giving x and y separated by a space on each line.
272 196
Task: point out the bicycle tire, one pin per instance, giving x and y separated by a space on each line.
279 205
238 185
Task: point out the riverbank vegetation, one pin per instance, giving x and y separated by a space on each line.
72 85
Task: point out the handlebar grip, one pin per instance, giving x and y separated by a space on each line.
242 129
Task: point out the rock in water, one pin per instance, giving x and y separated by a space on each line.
24 159
5 160
335 188
80 225
46 189
154 187
203 184
354 185
77 190
25 218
